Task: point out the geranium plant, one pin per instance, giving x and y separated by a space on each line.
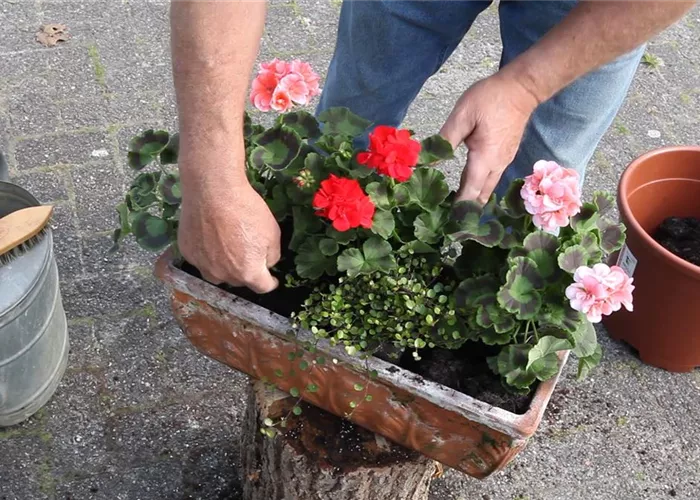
389 260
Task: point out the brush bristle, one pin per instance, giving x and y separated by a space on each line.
8 257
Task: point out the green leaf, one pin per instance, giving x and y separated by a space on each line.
563 317
572 258
429 226
340 120
542 247
314 163
145 147
512 362
418 247
586 340
169 187
546 346
465 224
342 237
512 202
587 363
311 262
519 294
476 259
586 219
603 201
376 255
545 367
277 148
473 292
247 125
434 148
379 194
124 227
142 193
612 235
151 233
383 223
169 154
426 187
328 247
278 202
351 261
306 223
492 337
302 122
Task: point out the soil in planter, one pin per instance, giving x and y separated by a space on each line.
680 236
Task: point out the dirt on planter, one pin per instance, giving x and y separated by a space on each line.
680 236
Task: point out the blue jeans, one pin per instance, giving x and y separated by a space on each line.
387 49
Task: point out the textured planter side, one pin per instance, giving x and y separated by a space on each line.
445 425
664 324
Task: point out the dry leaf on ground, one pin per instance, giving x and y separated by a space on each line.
51 34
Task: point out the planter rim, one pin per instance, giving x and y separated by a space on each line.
631 220
517 426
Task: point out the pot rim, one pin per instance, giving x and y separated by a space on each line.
623 187
517 426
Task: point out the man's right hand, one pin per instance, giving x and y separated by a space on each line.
229 234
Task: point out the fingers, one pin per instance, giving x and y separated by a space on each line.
458 127
263 282
489 186
474 177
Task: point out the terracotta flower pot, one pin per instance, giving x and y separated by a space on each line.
665 322
441 423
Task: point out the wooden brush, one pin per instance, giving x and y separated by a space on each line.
21 230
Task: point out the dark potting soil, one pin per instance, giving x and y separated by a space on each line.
680 236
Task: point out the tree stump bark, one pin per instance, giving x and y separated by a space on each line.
319 456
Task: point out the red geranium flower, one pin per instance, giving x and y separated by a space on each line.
392 152
344 202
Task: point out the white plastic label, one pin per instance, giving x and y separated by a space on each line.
627 261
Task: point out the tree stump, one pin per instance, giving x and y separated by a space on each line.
319 456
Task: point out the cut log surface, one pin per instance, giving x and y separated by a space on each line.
319 456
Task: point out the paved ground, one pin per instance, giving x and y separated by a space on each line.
140 414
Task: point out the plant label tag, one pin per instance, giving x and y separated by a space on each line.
627 261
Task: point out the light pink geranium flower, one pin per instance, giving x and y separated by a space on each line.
600 290
277 67
281 101
552 195
310 77
262 89
296 87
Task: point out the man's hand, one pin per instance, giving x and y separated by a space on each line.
490 118
228 232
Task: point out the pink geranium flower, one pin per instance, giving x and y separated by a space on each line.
296 87
279 68
552 195
281 100
310 77
262 89
600 290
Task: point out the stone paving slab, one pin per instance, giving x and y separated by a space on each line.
140 414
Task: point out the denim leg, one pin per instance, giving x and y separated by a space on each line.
568 127
386 50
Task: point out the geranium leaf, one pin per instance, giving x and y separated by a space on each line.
465 224
351 261
512 362
342 237
572 258
306 222
247 125
151 233
379 194
475 291
328 247
509 240
302 122
169 154
426 187
277 148
489 315
603 201
512 202
169 187
545 346
419 247
586 340
145 147
542 247
340 120
434 148
612 235
383 223
429 226
519 294
492 337
586 219
563 316
311 262
402 196
545 367
142 192
278 202
587 363
378 254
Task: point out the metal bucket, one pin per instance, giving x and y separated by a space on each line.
33 328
